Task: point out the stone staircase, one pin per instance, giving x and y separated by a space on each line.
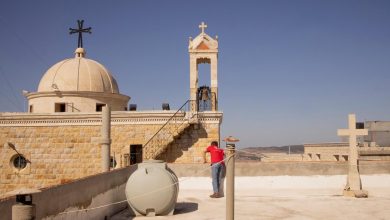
169 132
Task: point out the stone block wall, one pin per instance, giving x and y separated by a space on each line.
55 155
189 147
68 147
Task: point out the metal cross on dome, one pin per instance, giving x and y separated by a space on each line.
202 26
80 31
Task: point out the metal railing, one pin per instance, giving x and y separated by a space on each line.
172 127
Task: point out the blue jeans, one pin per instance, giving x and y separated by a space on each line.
216 175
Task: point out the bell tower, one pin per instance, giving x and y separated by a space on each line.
203 49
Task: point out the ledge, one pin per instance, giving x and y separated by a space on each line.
117 118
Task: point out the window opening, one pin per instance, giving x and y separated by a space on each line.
112 162
99 107
19 162
60 107
135 154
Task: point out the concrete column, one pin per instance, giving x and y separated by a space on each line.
214 99
214 82
230 181
193 81
214 70
106 138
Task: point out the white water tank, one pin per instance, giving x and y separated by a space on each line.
152 189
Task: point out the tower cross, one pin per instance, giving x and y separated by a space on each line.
202 26
80 31
353 182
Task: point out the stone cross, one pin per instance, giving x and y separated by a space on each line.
80 31
354 186
202 26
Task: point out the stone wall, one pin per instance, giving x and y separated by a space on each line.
327 151
340 151
288 168
64 147
189 147
273 157
93 191
55 154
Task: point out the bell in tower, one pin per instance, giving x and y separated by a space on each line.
204 101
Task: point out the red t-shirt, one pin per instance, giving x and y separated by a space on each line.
215 153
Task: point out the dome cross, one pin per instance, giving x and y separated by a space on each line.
80 31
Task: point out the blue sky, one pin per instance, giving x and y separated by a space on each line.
290 71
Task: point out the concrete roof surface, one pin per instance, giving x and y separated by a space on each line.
281 197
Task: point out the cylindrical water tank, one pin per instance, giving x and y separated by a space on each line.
23 212
152 189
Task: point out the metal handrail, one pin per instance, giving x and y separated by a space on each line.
167 122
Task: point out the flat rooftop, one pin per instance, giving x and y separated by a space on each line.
281 197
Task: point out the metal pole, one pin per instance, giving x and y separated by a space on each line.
289 150
230 182
106 140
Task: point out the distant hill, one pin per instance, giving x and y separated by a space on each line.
253 153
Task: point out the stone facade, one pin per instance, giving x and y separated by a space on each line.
45 102
61 140
64 147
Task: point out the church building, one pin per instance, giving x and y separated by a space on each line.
59 139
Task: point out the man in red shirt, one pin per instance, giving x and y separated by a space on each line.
217 167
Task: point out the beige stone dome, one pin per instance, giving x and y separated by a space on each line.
78 74
76 85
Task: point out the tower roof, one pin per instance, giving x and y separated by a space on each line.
203 42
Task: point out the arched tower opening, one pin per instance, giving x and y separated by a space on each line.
204 94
